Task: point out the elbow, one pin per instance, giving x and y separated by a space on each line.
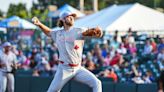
47 33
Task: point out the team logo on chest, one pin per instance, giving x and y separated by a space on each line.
76 47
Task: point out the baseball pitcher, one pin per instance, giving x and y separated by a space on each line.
70 42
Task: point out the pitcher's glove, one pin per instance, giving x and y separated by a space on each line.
94 32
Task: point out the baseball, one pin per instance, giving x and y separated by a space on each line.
34 19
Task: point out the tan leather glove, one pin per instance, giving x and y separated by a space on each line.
95 32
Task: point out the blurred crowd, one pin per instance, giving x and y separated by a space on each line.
122 58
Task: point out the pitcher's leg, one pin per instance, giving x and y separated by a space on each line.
62 76
10 83
86 77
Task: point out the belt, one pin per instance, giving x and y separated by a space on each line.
6 72
71 65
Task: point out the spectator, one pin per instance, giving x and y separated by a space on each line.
132 48
134 58
126 42
105 50
114 43
108 73
160 59
154 45
26 64
32 55
44 53
96 48
138 80
97 58
149 77
54 63
137 74
21 58
117 59
90 65
161 44
38 56
157 40
84 60
122 50
118 36
112 51
14 50
107 59
130 36
112 75
42 67
147 48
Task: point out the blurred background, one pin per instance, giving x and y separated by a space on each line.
128 58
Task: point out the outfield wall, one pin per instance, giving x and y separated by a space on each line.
41 84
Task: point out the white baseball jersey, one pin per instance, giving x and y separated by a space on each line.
8 60
70 45
7 79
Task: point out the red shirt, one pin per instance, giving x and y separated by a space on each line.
113 76
115 59
154 45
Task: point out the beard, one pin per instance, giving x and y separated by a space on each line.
69 23
7 50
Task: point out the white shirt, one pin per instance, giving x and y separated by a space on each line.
160 56
70 44
41 64
21 59
8 60
147 49
131 39
122 50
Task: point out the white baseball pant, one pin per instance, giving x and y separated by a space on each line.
64 74
6 80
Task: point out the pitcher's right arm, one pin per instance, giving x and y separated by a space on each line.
44 28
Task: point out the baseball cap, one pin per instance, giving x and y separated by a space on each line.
6 44
65 14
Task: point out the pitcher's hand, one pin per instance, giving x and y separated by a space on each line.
36 21
2 65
